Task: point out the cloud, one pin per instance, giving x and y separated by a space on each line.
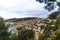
8 15
22 8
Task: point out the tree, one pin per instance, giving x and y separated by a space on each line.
41 37
50 4
58 3
57 32
58 20
53 15
13 37
26 34
3 30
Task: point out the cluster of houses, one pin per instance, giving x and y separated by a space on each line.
29 24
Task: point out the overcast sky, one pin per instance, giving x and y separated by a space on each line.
22 8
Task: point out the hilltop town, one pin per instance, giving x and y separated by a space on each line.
28 23
31 26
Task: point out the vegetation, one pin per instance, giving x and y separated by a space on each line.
51 31
53 15
50 4
20 19
26 34
51 26
3 30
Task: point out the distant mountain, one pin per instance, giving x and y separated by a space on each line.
21 19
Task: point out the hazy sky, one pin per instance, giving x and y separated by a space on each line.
22 8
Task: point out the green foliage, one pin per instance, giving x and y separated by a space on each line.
57 37
41 37
58 20
53 15
50 4
58 3
51 32
3 30
26 34
57 31
42 27
13 37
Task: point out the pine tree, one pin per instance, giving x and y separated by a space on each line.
3 30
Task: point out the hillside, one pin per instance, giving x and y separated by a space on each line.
21 19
